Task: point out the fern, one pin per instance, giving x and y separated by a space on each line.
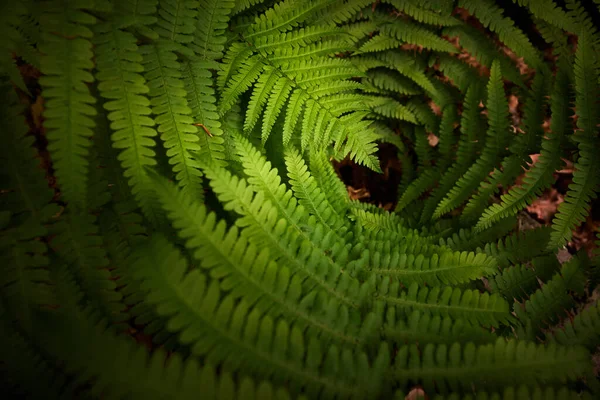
587 171
497 140
234 254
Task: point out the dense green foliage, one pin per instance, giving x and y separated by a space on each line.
189 198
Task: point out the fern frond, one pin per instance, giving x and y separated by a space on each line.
552 300
412 33
172 114
495 145
425 181
284 16
442 368
81 248
69 106
262 178
421 13
176 21
485 50
263 227
469 305
30 373
446 269
240 336
390 81
390 108
518 281
539 176
124 88
118 361
263 88
211 23
470 123
427 328
377 43
583 329
202 104
519 247
459 73
13 40
309 194
491 17
339 12
328 181
586 178
548 11
140 15
247 270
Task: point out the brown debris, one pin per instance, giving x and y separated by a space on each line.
357 194
545 206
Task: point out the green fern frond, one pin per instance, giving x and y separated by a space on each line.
340 12
69 106
172 115
284 16
390 81
121 84
421 13
81 248
497 140
263 88
327 179
377 43
412 33
246 269
309 194
443 368
211 23
263 228
540 175
240 335
485 50
425 181
176 22
31 373
469 305
553 300
202 103
446 269
518 281
458 72
140 375
490 15
586 178
140 15
390 108
548 11
519 247
427 328
470 124
13 21
583 329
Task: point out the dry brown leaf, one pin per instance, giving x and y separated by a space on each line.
357 194
545 206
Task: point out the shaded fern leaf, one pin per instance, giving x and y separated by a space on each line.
69 107
168 99
121 84
586 177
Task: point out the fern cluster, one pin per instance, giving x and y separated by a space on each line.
188 199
